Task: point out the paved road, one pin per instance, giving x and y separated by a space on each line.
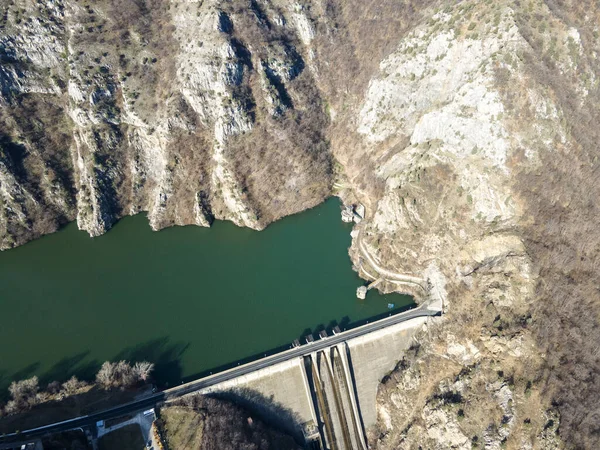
150 402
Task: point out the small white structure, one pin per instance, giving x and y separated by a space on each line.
352 213
359 213
361 292
348 214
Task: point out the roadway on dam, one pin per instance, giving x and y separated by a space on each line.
227 375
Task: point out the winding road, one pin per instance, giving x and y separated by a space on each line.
389 275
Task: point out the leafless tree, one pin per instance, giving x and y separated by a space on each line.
24 392
106 375
72 386
53 387
143 369
122 374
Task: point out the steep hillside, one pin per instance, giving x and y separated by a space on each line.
481 124
467 128
188 110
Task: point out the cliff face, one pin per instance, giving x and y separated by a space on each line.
468 129
188 110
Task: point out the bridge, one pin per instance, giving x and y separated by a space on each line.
326 388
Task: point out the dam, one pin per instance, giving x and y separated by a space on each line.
323 392
326 396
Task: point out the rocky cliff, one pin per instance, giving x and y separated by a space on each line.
468 129
188 110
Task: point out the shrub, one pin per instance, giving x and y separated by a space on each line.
121 374
24 393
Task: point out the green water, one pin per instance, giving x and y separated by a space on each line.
189 299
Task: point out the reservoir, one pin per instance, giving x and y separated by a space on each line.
189 299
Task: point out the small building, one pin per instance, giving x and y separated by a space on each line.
296 343
361 292
323 334
348 214
310 339
353 213
359 213
336 330
311 432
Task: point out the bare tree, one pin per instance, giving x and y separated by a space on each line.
122 374
106 375
53 387
143 369
24 392
72 386
11 408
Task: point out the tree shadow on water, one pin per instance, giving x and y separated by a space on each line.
345 322
26 372
6 378
72 366
165 355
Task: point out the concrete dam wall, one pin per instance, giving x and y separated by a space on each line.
326 398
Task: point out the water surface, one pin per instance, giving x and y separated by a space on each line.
190 299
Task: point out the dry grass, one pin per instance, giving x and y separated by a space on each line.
561 233
183 427
209 424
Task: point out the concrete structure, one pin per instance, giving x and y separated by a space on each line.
144 419
348 214
279 392
291 387
359 213
329 395
337 407
352 213
361 292
375 355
